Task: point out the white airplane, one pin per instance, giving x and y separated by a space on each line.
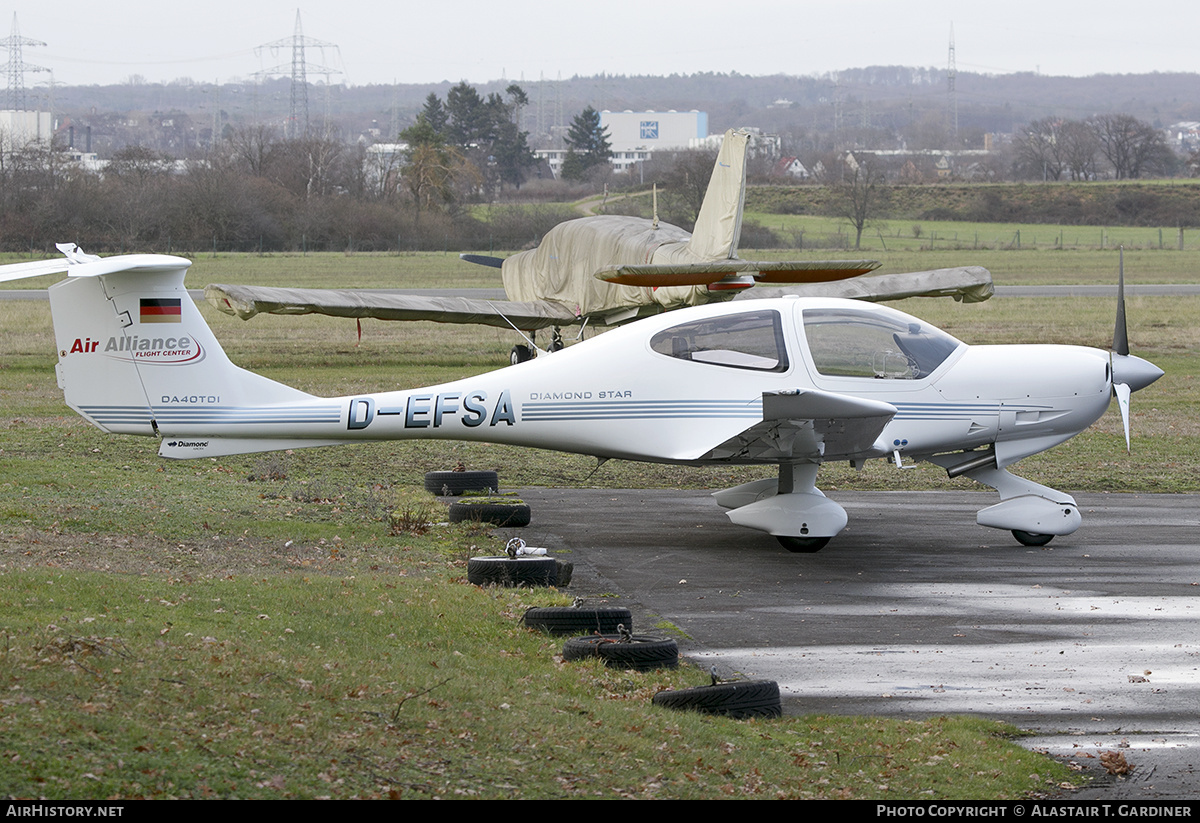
787 382
614 269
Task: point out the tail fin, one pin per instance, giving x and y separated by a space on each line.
136 357
720 222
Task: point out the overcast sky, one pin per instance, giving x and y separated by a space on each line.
415 41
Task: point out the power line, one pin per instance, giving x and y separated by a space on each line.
16 67
951 92
297 125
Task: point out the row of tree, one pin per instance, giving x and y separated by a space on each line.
255 189
1116 144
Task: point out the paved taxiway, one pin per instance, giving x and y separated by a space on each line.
916 610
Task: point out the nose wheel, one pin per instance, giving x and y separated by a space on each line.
802 545
1031 538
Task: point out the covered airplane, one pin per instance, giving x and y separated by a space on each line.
789 383
612 269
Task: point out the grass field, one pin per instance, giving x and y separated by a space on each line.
254 627
420 270
963 236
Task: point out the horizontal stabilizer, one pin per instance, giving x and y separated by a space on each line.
764 271
247 301
38 268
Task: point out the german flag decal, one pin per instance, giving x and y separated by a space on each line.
161 310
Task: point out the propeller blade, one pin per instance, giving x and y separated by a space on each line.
1122 392
1120 335
1129 373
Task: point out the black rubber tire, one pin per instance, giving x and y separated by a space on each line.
803 545
567 620
1031 538
500 514
512 571
643 653
444 483
520 354
745 698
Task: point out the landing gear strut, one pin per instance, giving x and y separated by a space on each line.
791 508
520 352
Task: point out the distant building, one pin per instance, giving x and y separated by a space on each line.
630 131
634 136
86 160
790 167
1185 136
20 128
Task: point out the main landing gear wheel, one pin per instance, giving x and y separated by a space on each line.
804 545
1031 538
519 354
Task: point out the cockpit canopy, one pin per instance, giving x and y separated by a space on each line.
741 340
843 341
879 343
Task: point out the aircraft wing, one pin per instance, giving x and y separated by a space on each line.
967 284
808 424
657 275
247 301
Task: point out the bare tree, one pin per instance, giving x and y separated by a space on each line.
252 147
1131 146
1080 150
860 194
138 187
685 184
1040 149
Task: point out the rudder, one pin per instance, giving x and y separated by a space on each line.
132 347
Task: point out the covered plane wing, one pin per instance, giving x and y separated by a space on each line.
247 301
966 284
969 284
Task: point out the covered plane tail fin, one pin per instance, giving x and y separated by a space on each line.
720 222
136 357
